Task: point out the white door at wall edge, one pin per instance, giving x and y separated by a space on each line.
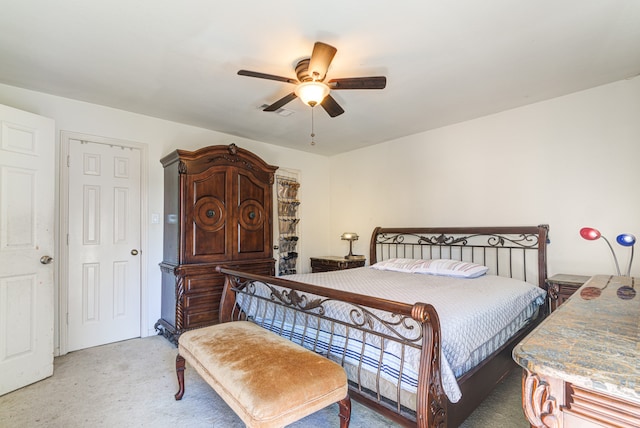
27 146
104 244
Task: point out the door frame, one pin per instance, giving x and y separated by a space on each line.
61 327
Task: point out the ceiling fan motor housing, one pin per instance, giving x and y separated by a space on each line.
302 70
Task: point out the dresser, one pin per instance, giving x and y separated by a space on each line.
218 205
582 364
331 263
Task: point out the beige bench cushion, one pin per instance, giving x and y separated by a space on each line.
266 379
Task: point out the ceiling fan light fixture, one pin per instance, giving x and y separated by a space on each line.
312 93
310 87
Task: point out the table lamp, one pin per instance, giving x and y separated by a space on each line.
350 236
624 239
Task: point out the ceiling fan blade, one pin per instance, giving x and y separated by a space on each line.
331 106
282 101
375 82
267 76
321 58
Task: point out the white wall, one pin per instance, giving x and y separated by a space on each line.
570 162
163 136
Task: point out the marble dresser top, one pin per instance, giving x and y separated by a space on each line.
592 340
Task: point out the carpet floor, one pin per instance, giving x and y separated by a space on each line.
131 384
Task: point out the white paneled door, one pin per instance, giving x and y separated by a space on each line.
27 146
104 244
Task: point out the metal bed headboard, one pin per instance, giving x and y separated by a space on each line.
512 251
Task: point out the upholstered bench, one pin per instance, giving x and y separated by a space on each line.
266 379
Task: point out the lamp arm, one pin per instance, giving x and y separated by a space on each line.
630 261
615 259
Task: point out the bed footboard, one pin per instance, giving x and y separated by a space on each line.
389 350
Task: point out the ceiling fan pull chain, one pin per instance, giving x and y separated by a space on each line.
313 143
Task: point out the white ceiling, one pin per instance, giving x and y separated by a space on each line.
446 61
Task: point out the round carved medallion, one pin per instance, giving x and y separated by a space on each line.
209 213
251 215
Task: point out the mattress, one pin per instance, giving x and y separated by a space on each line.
477 317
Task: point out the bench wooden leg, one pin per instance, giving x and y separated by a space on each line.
345 411
180 373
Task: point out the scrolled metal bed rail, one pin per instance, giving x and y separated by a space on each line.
375 341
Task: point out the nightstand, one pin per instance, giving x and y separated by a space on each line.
562 286
329 263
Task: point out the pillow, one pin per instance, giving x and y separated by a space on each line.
443 267
398 265
453 268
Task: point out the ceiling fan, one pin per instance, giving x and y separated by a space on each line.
311 87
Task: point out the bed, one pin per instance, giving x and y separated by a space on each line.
424 332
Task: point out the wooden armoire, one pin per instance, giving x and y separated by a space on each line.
217 211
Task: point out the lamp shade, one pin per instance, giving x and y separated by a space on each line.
626 239
349 236
590 234
312 93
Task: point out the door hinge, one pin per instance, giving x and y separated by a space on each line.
67 318
68 160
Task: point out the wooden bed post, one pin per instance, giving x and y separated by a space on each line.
373 257
431 405
228 300
543 235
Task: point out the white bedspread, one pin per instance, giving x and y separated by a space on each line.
476 315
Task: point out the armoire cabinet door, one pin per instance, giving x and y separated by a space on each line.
230 211
210 213
252 236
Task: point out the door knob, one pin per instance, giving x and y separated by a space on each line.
45 260
134 252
